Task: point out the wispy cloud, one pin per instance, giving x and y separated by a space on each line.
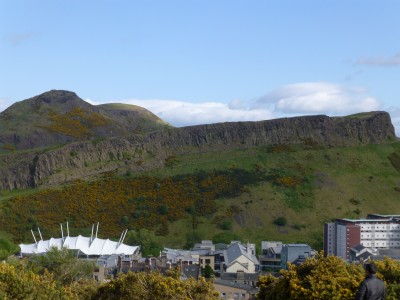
16 39
353 75
380 61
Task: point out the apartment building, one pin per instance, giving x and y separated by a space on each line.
375 232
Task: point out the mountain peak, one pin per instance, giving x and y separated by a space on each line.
60 100
59 117
61 96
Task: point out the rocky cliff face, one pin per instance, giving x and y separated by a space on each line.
375 127
136 153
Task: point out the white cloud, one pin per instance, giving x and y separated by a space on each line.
318 98
290 100
181 113
380 61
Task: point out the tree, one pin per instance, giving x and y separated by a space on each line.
225 237
7 247
18 283
145 239
280 221
207 272
63 264
317 278
326 278
154 286
192 237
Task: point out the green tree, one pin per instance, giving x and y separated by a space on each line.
63 264
226 237
225 225
192 237
207 272
7 247
145 239
280 221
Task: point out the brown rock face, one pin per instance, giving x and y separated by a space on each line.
136 153
375 127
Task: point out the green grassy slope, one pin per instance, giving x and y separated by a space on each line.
342 182
305 186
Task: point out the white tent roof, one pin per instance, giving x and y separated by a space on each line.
81 243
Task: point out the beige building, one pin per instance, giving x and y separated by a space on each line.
241 258
233 291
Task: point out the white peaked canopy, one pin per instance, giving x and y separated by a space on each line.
83 244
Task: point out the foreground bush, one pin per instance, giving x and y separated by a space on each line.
17 283
155 286
326 278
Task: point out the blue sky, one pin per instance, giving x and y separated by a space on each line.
195 62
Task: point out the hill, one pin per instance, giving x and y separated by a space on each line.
277 179
222 195
56 137
59 117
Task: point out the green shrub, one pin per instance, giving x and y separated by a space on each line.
280 221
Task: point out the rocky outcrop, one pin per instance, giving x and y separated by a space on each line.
137 153
362 129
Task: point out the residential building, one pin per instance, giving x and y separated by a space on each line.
270 259
241 258
230 290
374 232
294 254
360 253
179 256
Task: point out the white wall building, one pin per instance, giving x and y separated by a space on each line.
375 232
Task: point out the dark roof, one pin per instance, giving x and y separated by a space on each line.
392 253
242 276
358 248
246 287
220 246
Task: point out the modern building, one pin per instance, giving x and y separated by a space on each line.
83 246
270 259
294 254
374 232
